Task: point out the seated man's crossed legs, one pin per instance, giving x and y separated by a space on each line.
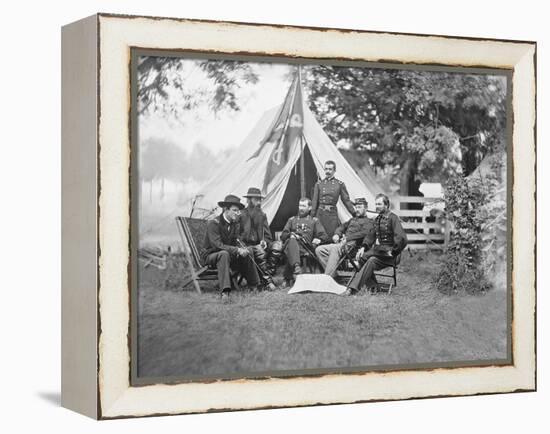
365 277
225 262
329 255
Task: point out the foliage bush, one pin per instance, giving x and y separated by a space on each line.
476 209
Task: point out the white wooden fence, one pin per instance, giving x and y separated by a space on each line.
423 231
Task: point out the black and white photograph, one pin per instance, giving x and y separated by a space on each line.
242 216
299 217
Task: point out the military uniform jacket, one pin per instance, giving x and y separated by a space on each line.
356 229
327 192
308 227
220 235
254 226
389 233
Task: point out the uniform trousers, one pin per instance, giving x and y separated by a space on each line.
366 273
225 262
329 219
292 251
330 254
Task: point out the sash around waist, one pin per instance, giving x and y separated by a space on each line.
327 207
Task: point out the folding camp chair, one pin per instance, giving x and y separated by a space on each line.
192 233
392 274
348 266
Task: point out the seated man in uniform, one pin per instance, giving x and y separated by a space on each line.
383 247
221 250
346 237
299 230
255 233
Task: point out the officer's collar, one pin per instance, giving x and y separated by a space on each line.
329 179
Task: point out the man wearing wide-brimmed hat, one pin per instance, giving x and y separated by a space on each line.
347 237
221 247
255 233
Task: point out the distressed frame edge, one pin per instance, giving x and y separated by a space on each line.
529 385
305 27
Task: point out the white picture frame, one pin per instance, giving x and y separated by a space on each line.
96 295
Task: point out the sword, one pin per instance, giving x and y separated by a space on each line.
308 248
251 256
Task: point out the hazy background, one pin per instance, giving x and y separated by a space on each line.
181 151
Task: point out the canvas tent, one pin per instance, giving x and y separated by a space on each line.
302 166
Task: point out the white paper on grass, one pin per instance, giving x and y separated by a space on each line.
316 283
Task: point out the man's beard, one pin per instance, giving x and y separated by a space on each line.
254 210
303 213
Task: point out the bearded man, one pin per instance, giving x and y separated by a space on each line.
380 249
256 234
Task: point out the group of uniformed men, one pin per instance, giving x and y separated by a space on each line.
240 238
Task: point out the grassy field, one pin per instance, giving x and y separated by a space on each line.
184 333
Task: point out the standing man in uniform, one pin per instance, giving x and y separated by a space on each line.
384 246
301 228
221 250
255 233
346 237
325 197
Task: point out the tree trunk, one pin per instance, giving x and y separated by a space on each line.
408 184
469 157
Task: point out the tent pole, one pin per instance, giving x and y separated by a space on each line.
302 169
302 159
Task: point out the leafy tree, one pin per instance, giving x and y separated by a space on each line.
164 84
414 125
461 270
476 208
490 177
418 125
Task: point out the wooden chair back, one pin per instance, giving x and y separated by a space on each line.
193 231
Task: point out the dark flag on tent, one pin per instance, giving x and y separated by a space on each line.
284 132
